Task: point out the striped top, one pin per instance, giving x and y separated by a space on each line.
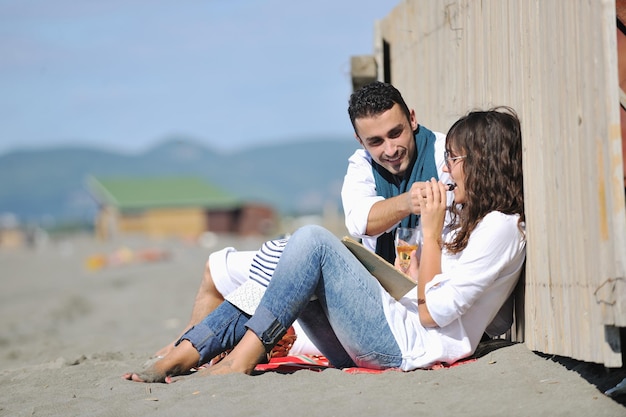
265 261
248 296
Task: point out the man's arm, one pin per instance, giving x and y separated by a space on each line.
366 213
386 213
358 193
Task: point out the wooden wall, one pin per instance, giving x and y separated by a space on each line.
184 222
555 63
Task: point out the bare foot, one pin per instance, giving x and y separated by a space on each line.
229 366
179 361
248 353
147 375
160 372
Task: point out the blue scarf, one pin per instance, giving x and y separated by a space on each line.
422 168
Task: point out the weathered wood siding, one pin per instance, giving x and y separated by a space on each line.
555 63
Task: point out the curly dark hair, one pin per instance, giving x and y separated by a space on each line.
494 181
373 99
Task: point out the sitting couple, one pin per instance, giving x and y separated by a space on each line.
469 265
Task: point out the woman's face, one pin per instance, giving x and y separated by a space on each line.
454 166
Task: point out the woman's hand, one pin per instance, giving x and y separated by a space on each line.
413 270
414 266
433 208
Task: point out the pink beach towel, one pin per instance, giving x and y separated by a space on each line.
290 364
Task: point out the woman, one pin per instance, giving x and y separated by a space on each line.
467 270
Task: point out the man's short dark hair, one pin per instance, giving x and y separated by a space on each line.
374 99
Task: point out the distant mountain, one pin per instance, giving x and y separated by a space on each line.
48 186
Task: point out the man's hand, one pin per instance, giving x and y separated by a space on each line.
415 195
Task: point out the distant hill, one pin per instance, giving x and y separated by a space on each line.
48 186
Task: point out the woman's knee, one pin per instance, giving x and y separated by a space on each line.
313 233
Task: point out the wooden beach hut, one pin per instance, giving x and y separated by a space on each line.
174 206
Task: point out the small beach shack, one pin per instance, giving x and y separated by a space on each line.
556 64
183 207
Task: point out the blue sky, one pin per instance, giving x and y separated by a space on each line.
125 74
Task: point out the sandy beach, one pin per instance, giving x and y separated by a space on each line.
70 327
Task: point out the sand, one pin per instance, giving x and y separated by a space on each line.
68 333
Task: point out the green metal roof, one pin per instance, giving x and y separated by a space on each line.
143 193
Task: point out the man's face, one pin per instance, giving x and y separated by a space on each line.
388 137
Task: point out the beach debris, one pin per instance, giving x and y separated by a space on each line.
619 389
548 381
148 392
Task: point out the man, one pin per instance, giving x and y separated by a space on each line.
379 192
381 188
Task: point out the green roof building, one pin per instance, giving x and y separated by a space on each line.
173 206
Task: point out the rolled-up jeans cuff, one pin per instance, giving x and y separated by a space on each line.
202 339
267 327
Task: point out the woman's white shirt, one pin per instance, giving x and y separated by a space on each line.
464 298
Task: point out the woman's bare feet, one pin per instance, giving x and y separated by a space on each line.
248 353
180 360
148 375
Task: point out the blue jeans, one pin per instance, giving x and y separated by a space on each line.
346 321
